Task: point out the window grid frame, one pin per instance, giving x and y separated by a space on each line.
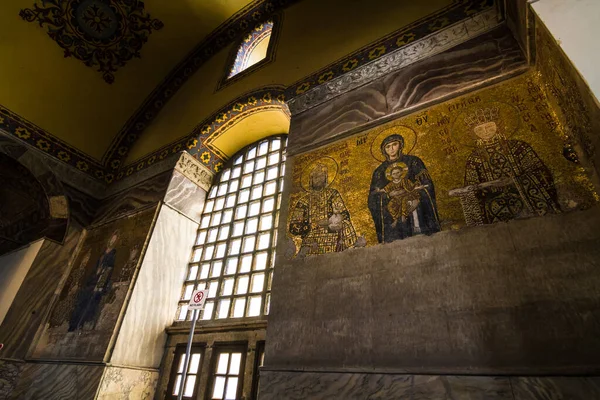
274 214
179 351
218 349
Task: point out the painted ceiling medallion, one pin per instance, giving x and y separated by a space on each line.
101 33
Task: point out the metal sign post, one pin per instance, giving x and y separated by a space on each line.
196 304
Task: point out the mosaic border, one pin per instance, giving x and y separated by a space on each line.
431 45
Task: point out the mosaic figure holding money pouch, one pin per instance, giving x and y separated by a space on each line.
507 177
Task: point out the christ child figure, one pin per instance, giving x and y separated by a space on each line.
402 192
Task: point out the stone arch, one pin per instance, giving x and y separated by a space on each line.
32 200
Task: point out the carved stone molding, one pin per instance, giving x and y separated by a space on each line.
407 55
195 171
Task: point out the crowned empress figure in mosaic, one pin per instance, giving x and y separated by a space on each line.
321 218
507 177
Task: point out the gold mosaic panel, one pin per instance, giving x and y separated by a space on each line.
490 156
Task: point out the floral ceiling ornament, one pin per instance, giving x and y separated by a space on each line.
102 33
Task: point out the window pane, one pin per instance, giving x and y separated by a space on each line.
227 287
270 188
220 203
219 387
235 173
252 225
231 266
268 204
261 162
258 283
208 252
224 233
275 144
213 192
222 189
225 175
261 261
238 228
263 148
234 365
205 268
223 310
201 238
212 235
249 244
176 387
256 192
273 158
234 247
187 294
240 212
196 255
244 196
227 214
239 306
233 186
193 273
231 391
220 250
272 173
216 269
248 166
208 310
266 222
238 160
267 303
222 364
208 207
264 241
194 363
212 289
259 177
216 218
181 363
254 209
182 312
246 181
242 285
254 308
230 201
246 263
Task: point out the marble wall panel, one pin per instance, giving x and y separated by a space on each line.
465 66
57 382
144 194
127 384
31 303
517 297
360 386
157 289
185 196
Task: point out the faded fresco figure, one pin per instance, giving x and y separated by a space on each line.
505 179
402 196
89 298
321 218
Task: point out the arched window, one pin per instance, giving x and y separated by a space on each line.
253 49
234 251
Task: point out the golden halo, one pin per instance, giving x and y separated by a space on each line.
409 135
388 170
508 121
328 162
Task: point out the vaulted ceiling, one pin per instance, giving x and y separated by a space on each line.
98 80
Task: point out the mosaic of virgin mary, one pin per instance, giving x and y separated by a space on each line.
402 195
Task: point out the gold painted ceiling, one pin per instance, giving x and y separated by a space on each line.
101 86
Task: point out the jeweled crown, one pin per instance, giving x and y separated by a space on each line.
482 116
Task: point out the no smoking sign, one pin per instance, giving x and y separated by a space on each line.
198 299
